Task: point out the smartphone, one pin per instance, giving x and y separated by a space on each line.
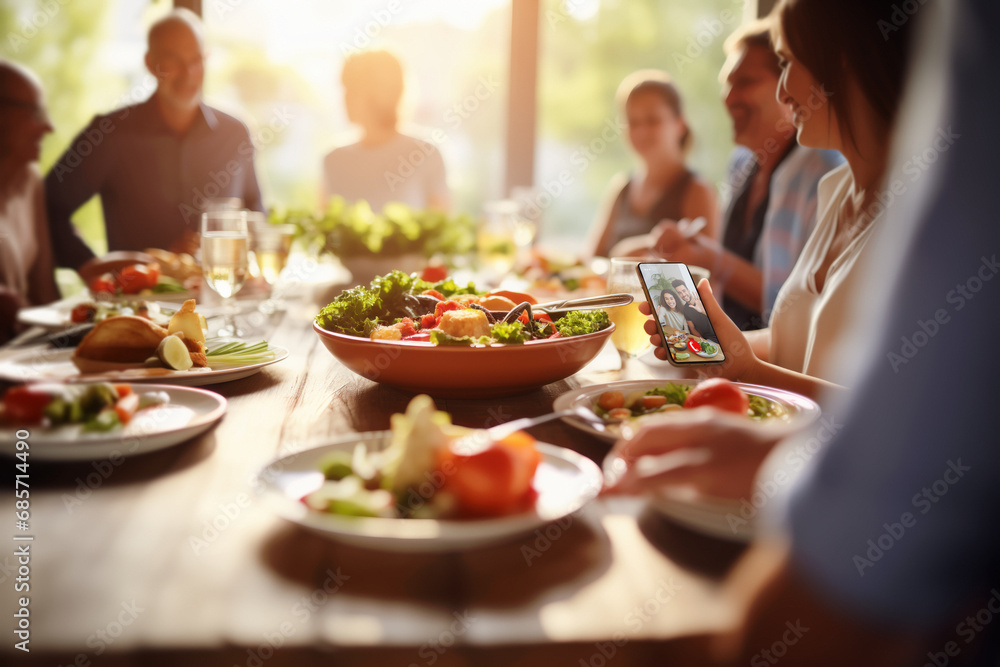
679 314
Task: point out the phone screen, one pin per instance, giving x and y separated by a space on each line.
680 315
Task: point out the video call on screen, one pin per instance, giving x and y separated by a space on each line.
690 337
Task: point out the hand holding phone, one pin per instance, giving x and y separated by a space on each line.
681 318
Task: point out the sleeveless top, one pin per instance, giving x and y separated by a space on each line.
625 223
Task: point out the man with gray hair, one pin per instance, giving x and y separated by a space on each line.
26 266
156 163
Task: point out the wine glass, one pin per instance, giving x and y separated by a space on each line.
629 337
270 245
497 239
224 262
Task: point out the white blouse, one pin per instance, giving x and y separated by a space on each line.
807 324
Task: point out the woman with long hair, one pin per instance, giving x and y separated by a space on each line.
843 98
664 187
670 312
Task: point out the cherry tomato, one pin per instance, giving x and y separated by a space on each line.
610 400
83 313
428 321
104 283
694 345
406 327
26 404
719 393
434 273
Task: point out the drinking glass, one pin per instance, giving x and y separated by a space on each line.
628 337
497 238
270 245
224 242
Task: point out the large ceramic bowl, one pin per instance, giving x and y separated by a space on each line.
464 372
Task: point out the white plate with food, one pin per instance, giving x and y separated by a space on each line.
57 365
768 406
185 414
59 314
563 482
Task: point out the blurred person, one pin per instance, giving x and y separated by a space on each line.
156 164
663 186
885 556
385 165
773 184
846 104
27 268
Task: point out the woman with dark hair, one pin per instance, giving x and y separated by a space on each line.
385 165
664 187
670 312
843 79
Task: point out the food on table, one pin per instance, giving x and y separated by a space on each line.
97 407
398 306
720 393
179 266
174 354
188 322
129 341
138 278
428 472
95 311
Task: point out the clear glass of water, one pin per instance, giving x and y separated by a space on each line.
224 262
271 245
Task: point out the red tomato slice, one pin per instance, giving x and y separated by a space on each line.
26 404
428 321
126 407
495 481
434 293
694 345
104 283
133 279
443 307
82 313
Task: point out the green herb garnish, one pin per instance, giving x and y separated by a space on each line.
579 322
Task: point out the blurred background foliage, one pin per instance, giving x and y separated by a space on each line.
277 67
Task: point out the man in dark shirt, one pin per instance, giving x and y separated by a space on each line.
696 318
154 164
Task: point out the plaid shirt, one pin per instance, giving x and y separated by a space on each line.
791 211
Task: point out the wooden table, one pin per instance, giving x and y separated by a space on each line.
172 557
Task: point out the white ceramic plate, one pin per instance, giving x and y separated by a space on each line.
190 412
565 482
801 410
56 315
57 365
